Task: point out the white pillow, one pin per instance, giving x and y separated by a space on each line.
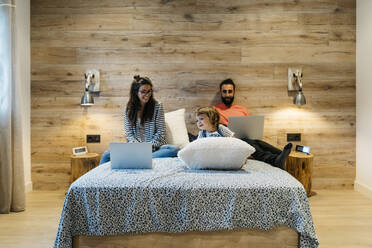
176 131
216 153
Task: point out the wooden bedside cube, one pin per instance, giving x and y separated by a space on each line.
300 166
81 164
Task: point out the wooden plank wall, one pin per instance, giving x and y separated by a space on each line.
187 48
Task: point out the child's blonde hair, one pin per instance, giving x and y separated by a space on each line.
212 114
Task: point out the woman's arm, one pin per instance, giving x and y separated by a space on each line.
159 136
129 133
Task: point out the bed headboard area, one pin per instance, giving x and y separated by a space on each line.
187 48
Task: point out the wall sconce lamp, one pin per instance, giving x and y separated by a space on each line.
92 79
295 86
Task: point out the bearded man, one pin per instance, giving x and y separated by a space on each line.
264 151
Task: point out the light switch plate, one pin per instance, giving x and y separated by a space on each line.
93 138
293 137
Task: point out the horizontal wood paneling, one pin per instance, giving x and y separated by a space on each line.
187 48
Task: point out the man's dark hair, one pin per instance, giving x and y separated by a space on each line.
227 81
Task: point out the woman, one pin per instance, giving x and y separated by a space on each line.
144 120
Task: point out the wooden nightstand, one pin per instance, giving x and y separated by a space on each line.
300 166
81 164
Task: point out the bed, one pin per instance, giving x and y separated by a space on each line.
170 201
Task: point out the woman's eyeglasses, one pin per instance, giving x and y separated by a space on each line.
146 92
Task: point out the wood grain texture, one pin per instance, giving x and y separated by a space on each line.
280 237
187 48
300 166
342 219
81 164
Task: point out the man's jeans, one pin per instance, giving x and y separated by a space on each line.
264 151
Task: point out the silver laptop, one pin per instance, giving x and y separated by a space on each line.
131 155
250 127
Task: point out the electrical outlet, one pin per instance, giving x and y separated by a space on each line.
93 138
293 136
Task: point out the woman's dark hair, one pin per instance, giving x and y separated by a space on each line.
134 103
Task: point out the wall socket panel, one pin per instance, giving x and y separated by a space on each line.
93 138
293 136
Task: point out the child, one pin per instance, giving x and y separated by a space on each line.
208 123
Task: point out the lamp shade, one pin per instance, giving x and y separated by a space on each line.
87 99
299 99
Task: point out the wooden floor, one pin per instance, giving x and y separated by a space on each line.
342 219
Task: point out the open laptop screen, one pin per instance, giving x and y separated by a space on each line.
250 127
131 155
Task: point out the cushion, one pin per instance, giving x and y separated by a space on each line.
176 131
216 153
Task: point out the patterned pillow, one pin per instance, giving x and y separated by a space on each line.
216 153
176 131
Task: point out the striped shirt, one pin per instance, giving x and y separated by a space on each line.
154 129
222 131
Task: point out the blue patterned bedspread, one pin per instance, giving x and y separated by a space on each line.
171 198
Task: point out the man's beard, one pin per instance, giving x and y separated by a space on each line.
227 100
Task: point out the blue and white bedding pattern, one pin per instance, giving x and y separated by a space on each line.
170 198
